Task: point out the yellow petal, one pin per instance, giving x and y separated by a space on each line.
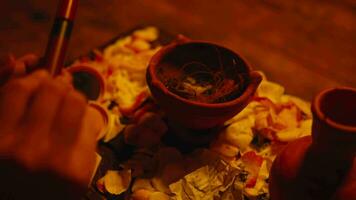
117 182
140 184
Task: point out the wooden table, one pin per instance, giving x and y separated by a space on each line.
304 45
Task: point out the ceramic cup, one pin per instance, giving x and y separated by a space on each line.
87 80
334 114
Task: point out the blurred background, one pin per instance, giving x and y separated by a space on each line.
304 45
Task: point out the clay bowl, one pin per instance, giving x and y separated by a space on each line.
212 64
87 80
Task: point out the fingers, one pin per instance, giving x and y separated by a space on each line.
26 63
69 120
14 98
11 67
54 138
29 59
82 166
75 136
15 95
38 121
19 66
46 124
82 160
44 105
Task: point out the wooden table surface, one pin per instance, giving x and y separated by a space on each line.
304 45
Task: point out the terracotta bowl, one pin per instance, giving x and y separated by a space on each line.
216 59
87 80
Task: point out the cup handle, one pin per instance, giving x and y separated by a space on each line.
255 79
181 39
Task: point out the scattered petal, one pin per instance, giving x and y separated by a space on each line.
117 182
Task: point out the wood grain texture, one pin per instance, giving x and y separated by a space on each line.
304 45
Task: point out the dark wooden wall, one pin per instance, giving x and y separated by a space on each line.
305 45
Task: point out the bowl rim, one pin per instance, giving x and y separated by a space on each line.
86 67
255 77
321 115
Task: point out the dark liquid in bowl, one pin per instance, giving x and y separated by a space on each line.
210 74
87 83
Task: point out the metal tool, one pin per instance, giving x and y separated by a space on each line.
59 36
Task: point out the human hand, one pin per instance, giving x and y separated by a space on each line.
12 67
43 128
